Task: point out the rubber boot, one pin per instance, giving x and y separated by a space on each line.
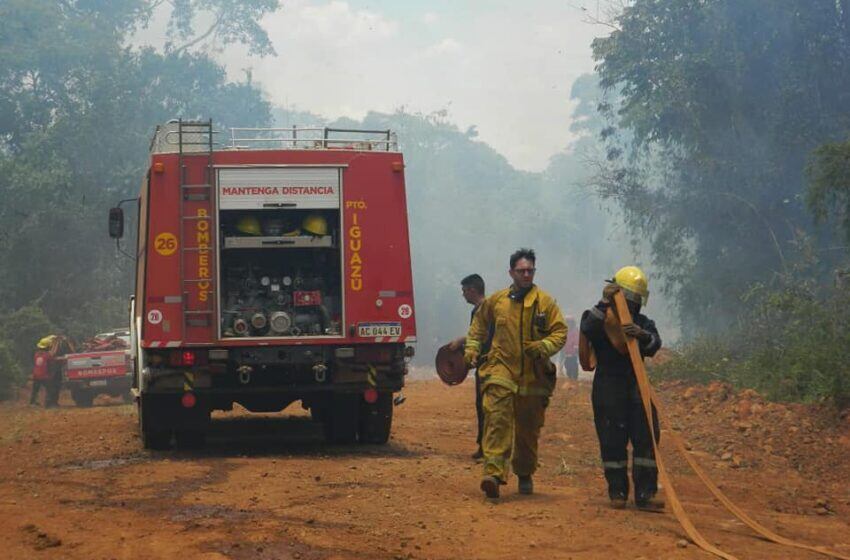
526 485
490 487
618 500
649 502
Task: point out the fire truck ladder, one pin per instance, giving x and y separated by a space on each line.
195 138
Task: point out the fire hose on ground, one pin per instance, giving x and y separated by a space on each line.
649 398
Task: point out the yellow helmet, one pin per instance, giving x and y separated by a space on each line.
249 225
634 284
315 224
46 342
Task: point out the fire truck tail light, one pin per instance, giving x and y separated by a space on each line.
181 358
370 395
398 166
158 167
188 400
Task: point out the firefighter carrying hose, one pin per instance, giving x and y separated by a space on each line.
618 411
517 377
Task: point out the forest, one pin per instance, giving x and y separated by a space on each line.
712 149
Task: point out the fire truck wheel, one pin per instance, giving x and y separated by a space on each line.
82 398
318 413
190 439
151 438
376 420
156 439
340 421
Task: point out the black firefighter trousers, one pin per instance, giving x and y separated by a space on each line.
619 418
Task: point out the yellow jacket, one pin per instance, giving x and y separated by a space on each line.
537 317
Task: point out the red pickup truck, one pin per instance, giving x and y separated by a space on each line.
103 367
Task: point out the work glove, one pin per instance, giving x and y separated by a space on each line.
536 349
457 344
470 358
635 331
608 292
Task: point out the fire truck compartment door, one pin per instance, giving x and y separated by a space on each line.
263 188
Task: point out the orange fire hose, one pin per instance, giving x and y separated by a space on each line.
648 397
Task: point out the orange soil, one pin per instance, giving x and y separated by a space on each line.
74 483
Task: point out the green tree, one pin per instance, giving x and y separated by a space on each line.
714 106
828 194
77 109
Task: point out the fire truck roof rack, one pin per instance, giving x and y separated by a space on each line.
180 136
312 138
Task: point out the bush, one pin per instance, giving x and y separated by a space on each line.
792 344
20 331
10 373
95 316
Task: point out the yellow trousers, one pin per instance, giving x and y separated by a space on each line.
512 425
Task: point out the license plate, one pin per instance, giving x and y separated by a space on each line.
372 330
98 383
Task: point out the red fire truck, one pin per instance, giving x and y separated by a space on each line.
273 269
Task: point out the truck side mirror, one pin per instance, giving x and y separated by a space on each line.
116 223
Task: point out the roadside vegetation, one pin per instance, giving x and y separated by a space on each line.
726 150
712 147
78 103
793 345
75 142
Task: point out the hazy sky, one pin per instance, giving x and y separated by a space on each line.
503 66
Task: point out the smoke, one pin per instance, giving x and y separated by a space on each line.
469 209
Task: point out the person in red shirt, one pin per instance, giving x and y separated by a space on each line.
40 373
47 368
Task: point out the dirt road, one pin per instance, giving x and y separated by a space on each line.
75 484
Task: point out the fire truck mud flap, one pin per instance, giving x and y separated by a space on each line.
186 416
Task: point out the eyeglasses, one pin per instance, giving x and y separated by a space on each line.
525 271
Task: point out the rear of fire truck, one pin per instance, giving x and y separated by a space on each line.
271 268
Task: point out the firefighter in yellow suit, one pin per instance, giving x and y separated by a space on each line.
517 375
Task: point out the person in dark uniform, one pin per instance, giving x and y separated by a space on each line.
472 289
618 410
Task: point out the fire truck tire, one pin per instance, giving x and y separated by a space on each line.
82 398
190 439
340 419
571 367
376 420
155 439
